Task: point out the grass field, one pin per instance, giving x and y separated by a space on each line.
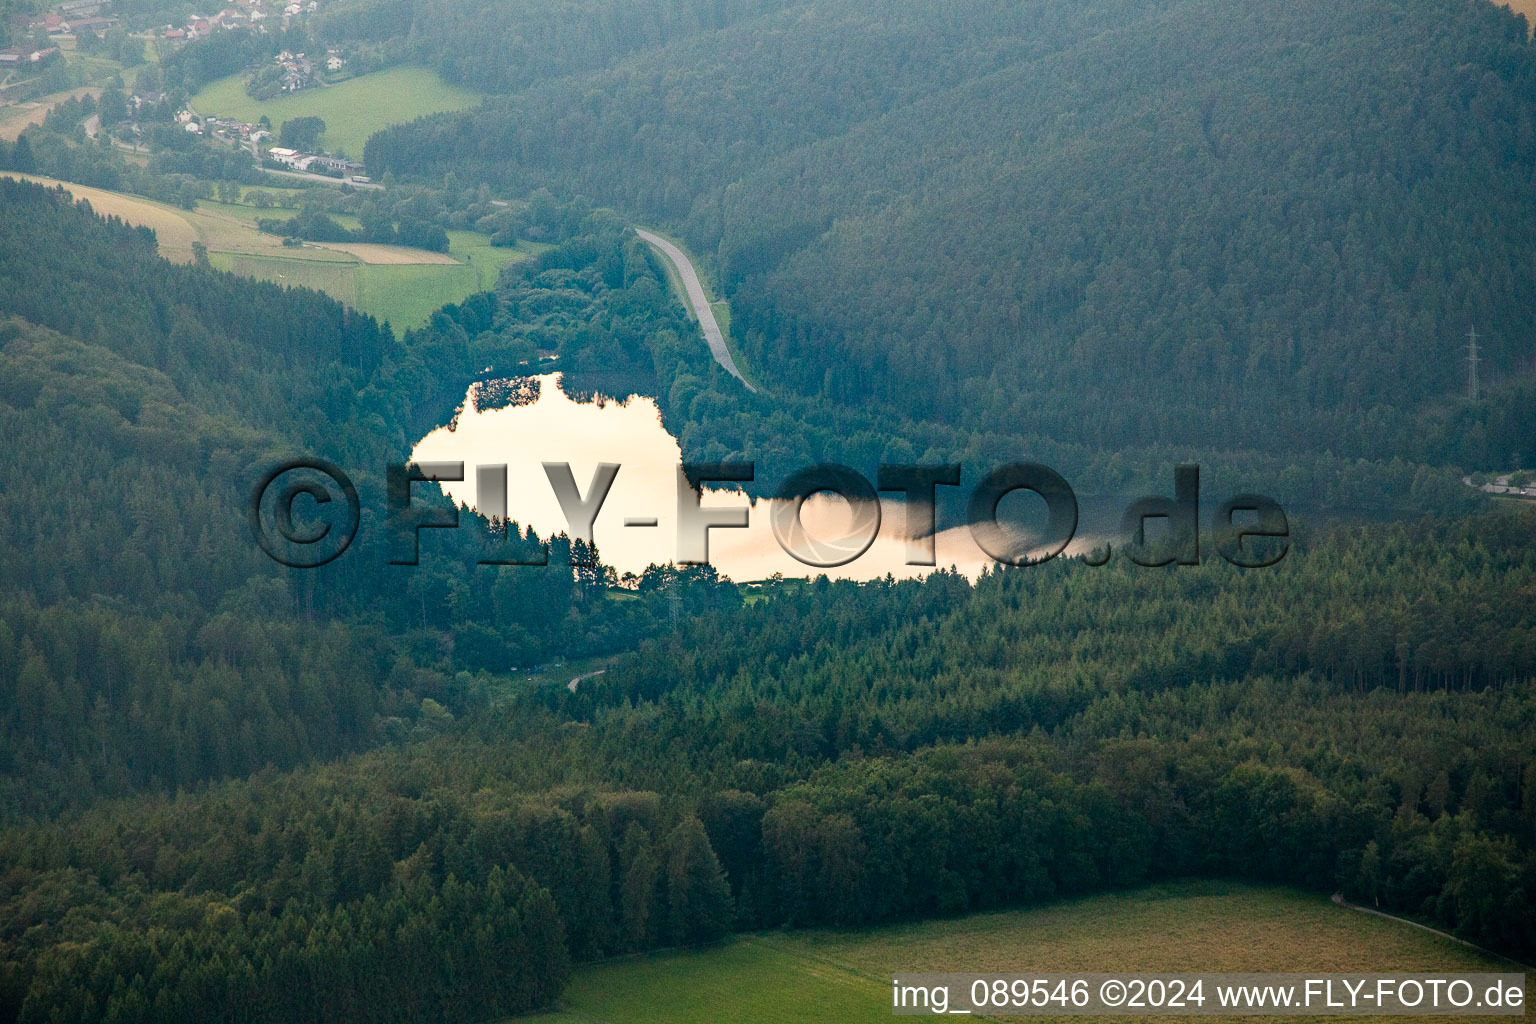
846 976
173 230
352 110
487 259
406 296
15 117
289 203
290 196
394 283
392 255
337 278
403 294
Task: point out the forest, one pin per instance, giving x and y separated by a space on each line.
158 646
1252 237
861 753
1006 225
236 790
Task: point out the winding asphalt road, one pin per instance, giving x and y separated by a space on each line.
699 302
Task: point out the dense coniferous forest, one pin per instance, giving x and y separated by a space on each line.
1358 718
597 301
858 753
1062 225
1107 239
498 47
148 641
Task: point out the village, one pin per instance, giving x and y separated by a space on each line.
66 26
25 57
259 138
65 21
289 72
39 38
76 16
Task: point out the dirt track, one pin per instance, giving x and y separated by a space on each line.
387 254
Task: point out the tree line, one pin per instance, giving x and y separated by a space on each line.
861 753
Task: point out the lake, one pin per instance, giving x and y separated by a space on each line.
524 422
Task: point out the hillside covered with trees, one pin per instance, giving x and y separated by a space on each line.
146 639
1106 238
859 753
235 789
1070 224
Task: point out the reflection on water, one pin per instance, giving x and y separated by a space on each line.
525 422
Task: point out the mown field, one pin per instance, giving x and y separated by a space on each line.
787 977
352 110
405 294
15 117
394 283
173 228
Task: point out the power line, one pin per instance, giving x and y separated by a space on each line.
1472 360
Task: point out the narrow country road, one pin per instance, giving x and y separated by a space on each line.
579 679
1339 899
699 302
324 179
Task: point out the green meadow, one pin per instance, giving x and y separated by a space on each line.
788 977
405 294
352 110
487 259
